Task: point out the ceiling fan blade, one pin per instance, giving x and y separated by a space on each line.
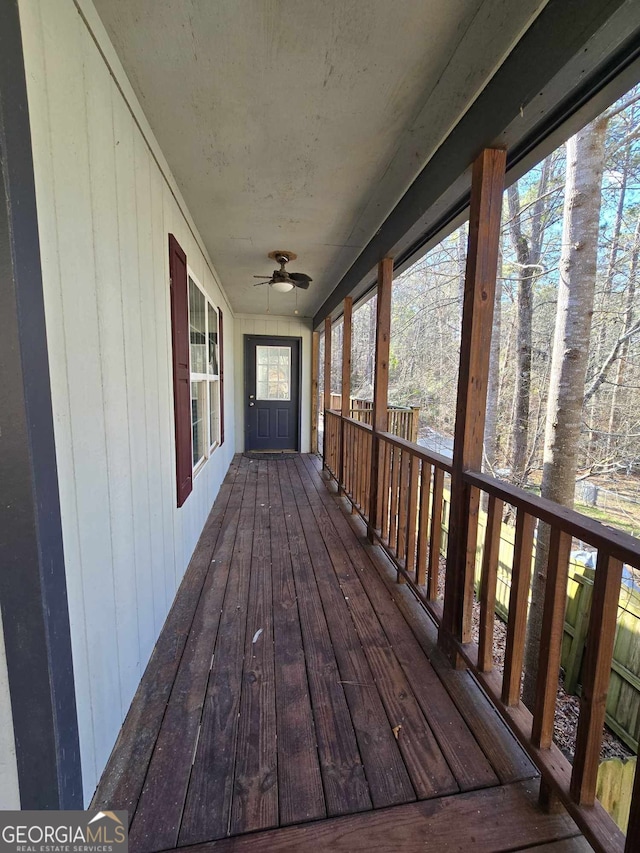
303 285
299 276
258 283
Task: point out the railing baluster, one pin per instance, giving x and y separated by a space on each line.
551 638
412 513
347 450
367 468
360 470
436 534
423 524
403 510
386 483
395 478
518 601
595 680
488 583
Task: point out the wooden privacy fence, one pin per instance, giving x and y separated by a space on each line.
410 519
615 785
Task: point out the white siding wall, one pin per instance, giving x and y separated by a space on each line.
296 327
106 203
9 791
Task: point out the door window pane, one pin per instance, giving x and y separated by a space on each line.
273 373
198 422
197 329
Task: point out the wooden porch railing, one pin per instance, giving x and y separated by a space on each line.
397 488
403 421
409 510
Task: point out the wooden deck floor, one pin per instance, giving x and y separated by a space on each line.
295 685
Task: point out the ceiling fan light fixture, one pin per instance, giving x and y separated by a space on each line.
282 286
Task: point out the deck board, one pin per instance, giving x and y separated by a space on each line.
387 775
427 766
492 820
255 792
123 778
297 698
299 777
468 763
207 809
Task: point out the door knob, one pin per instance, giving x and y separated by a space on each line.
251 396
252 404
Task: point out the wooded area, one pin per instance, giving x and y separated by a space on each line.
568 269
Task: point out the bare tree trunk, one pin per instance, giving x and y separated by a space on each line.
606 294
528 255
493 384
576 289
624 348
523 339
462 265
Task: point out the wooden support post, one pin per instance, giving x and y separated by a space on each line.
346 357
415 416
477 319
327 363
346 385
380 414
315 368
326 403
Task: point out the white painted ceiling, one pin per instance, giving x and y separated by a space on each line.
298 124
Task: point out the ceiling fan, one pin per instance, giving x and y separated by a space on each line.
281 280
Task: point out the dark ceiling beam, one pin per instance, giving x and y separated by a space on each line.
576 57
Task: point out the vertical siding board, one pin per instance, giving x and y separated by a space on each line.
108 666
71 175
134 377
149 361
39 106
163 400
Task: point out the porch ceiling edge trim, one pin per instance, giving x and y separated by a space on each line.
567 59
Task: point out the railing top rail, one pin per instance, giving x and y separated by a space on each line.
618 544
417 450
358 424
394 408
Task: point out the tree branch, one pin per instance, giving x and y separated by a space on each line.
609 360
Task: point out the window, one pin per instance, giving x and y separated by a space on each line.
205 374
198 372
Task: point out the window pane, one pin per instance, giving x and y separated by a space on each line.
213 340
214 412
198 424
273 373
197 306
